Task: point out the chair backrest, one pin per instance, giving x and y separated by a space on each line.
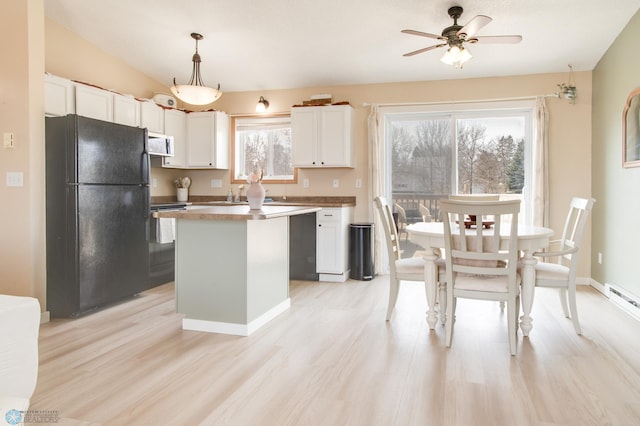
402 214
424 212
574 225
476 250
390 232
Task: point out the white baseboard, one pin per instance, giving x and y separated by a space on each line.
336 278
232 328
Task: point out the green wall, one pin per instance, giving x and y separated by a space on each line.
616 220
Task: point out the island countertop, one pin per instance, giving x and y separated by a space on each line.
236 212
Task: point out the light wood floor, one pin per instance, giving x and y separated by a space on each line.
333 360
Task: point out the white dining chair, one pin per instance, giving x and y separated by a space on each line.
560 271
424 212
407 269
402 220
476 267
475 197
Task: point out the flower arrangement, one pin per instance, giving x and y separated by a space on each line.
182 182
255 177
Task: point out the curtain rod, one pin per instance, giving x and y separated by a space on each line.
521 98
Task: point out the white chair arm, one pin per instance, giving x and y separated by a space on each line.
568 250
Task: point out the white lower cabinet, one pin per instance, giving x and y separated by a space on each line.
332 243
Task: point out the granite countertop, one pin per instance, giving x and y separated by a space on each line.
205 200
235 212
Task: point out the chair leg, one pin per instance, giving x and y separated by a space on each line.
443 302
451 309
574 310
562 292
394 288
512 318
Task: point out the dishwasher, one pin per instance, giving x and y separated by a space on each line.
161 254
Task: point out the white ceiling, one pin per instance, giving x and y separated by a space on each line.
277 44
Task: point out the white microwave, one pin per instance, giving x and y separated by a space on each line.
160 144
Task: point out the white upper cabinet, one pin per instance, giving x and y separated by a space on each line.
126 110
175 125
93 102
152 117
208 140
59 96
321 136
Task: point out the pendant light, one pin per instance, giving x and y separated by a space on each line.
195 92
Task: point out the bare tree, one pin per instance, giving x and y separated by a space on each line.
470 140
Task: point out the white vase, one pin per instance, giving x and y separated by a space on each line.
255 195
183 194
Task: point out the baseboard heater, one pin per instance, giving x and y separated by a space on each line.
624 299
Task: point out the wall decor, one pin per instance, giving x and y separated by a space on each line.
631 131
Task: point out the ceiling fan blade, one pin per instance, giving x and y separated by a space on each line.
474 25
426 49
503 39
421 34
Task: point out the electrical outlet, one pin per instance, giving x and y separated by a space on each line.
305 183
15 179
599 258
336 183
154 182
216 183
358 183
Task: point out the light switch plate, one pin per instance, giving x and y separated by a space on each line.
216 183
336 183
358 183
305 183
8 140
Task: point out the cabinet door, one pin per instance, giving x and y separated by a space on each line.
126 110
327 239
174 125
208 136
304 137
335 136
200 132
152 117
94 103
59 96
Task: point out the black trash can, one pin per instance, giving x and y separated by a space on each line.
361 251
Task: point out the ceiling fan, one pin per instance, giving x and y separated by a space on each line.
455 36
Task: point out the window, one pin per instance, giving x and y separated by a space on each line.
438 150
262 144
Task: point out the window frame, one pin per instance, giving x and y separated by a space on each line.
234 160
468 110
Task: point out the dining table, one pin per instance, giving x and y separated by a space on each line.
430 236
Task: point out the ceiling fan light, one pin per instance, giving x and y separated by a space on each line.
456 56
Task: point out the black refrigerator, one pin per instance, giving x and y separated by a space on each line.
97 201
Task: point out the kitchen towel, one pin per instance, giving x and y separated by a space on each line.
165 230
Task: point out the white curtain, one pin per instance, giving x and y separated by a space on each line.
541 165
378 188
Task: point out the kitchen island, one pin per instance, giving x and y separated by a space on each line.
232 265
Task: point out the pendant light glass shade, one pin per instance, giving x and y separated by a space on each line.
195 92
262 105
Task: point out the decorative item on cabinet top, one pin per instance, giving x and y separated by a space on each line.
325 104
163 99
